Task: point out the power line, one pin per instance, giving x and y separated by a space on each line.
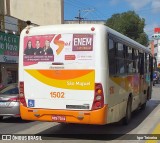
98 12
87 11
80 5
79 14
101 14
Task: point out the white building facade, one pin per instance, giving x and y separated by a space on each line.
156 39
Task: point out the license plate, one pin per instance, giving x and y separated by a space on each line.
58 118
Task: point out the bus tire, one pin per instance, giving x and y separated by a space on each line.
128 115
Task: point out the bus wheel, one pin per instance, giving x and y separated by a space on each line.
128 112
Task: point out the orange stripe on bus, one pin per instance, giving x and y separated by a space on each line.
64 74
95 117
85 82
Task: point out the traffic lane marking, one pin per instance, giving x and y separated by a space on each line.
155 131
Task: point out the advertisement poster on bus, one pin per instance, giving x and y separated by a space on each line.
64 48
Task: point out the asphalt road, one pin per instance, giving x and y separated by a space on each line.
11 125
83 132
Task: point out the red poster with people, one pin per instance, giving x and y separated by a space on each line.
37 48
64 48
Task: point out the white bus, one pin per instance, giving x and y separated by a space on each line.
84 74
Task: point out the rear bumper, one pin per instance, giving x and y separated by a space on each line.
98 117
10 111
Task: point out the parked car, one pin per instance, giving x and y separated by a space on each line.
156 77
9 101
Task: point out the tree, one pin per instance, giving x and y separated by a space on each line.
129 24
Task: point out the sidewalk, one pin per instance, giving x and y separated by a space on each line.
149 126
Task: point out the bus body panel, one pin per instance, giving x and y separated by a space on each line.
59 94
41 84
97 117
78 86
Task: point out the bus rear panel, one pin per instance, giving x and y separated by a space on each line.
57 77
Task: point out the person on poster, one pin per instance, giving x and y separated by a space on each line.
29 49
38 50
47 50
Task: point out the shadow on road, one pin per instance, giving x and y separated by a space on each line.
14 120
156 85
96 132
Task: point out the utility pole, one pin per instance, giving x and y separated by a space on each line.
79 17
79 14
2 25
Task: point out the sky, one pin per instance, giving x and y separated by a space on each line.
104 9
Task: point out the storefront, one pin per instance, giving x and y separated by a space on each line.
9 50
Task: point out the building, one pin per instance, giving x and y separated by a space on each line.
13 14
9 49
156 45
41 12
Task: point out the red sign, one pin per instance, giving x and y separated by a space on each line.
70 57
157 30
82 42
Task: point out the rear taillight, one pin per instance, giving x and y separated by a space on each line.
98 97
16 99
21 94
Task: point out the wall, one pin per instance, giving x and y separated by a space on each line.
9 73
2 7
11 24
41 12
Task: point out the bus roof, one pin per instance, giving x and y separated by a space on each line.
131 41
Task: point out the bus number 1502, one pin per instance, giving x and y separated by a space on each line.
57 94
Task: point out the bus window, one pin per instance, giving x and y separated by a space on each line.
129 53
120 66
130 66
136 60
111 48
120 50
146 63
141 63
112 60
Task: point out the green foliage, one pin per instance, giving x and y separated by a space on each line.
129 24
